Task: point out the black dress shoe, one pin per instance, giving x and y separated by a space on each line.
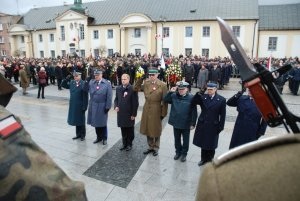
75 138
128 148
82 139
155 153
122 148
148 151
183 158
201 163
97 140
104 142
176 157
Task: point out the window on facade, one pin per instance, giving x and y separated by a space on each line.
110 52
51 37
236 30
3 52
1 27
82 53
272 46
166 32
63 53
22 39
205 53
206 32
1 39
188 31
62 33
110 33
81 32
96 52
138 52
188 51
166 52
137 32
96 34
40 38
42 54
52 53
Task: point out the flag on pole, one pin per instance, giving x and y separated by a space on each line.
162 62
269 63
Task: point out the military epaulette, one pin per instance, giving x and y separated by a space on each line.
255 146
9 126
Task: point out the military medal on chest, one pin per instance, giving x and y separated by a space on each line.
77 84
154 88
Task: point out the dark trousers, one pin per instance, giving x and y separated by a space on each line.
181 149
41 87
52 79
295 87
101 133
207 155
59 80
127 135
80 131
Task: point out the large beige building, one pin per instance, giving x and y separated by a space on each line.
141 26
5 22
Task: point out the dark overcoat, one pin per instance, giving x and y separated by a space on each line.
182 114
78 102
127 101
100 102
249 125
211 120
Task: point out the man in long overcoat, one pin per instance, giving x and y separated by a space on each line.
249 125
99 104
126 105
24 79
77 105
210 122
154 109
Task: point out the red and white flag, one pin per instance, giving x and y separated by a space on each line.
162 62
8 126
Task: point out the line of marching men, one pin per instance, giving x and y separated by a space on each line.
183 114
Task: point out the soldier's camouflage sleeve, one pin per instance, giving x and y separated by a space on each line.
26 171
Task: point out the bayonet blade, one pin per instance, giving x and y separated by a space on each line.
236 51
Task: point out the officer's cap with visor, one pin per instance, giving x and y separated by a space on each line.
182 84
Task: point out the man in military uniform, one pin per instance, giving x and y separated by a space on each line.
265 170
99 104
182 117
154 109
26 171
77 105
210 122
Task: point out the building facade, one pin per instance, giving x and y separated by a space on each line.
5 23
142 27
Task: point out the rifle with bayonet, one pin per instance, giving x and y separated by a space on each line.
260 83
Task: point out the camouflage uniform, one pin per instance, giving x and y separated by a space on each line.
27 172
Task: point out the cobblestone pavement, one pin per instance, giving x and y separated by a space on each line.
153 178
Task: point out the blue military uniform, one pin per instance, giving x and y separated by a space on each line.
99 104
249 125
210 123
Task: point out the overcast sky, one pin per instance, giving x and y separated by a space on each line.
23 6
